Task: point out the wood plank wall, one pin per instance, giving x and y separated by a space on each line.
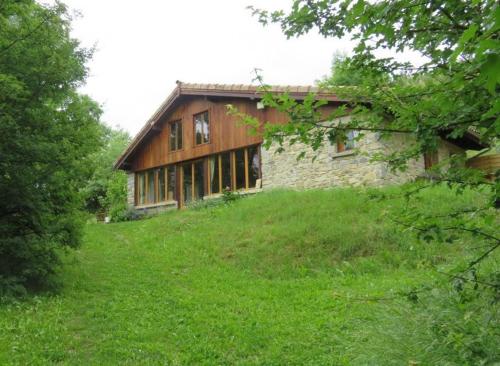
225 132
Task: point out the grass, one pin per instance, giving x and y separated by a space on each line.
277 278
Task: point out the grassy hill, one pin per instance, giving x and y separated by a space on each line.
277 278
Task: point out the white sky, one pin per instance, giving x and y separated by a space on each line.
143 47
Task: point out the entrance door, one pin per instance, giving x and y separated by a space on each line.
192 182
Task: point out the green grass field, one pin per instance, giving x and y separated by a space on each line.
279 278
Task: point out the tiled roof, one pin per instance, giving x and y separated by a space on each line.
250 88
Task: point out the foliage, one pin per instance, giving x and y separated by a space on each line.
283 277
106 191
47 131
448 88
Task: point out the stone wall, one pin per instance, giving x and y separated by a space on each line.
130 189
330 168
348 168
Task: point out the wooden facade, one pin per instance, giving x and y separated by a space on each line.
225 133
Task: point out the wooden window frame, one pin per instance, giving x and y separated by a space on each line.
209 128
342 144
170 124
137 189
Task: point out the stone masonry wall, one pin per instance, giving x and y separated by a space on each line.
349 168
130 189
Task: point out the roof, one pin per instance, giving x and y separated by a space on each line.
217 90
470 140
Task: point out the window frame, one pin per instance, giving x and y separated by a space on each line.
170 124
342 145
232 160
209 117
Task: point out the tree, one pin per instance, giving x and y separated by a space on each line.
452 90
47 132
106 189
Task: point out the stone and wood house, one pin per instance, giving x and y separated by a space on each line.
191 149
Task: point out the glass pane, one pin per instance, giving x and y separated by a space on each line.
151 186
199 180
240 168
213 166
206 128
187 183
141 177
226 170
179 135
253 166
350 142
198 131
161 184
171 181
173 133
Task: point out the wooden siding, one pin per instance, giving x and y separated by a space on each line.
225 132
488 163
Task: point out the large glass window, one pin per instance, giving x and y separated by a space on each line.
187 182
175 140
141 188
199 180
253 166
239 160
214 172
201 128
161 184
171 182
150 186
226 170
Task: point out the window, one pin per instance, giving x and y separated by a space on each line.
430 159
214 174
150 186
171 183
187 182
239 168
161 184
348 143
199 179
201 128
253 166
226 171
175 140
141 188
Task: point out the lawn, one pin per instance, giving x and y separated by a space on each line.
305 278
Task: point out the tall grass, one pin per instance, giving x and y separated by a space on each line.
277 278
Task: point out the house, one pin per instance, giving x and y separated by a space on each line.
191 149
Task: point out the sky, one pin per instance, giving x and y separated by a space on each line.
143 47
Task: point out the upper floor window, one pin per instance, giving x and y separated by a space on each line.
348 143
175 140
201 128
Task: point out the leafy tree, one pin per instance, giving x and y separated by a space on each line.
452 90
47 132
341 74
107 187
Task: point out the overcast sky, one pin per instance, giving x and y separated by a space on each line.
143 47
